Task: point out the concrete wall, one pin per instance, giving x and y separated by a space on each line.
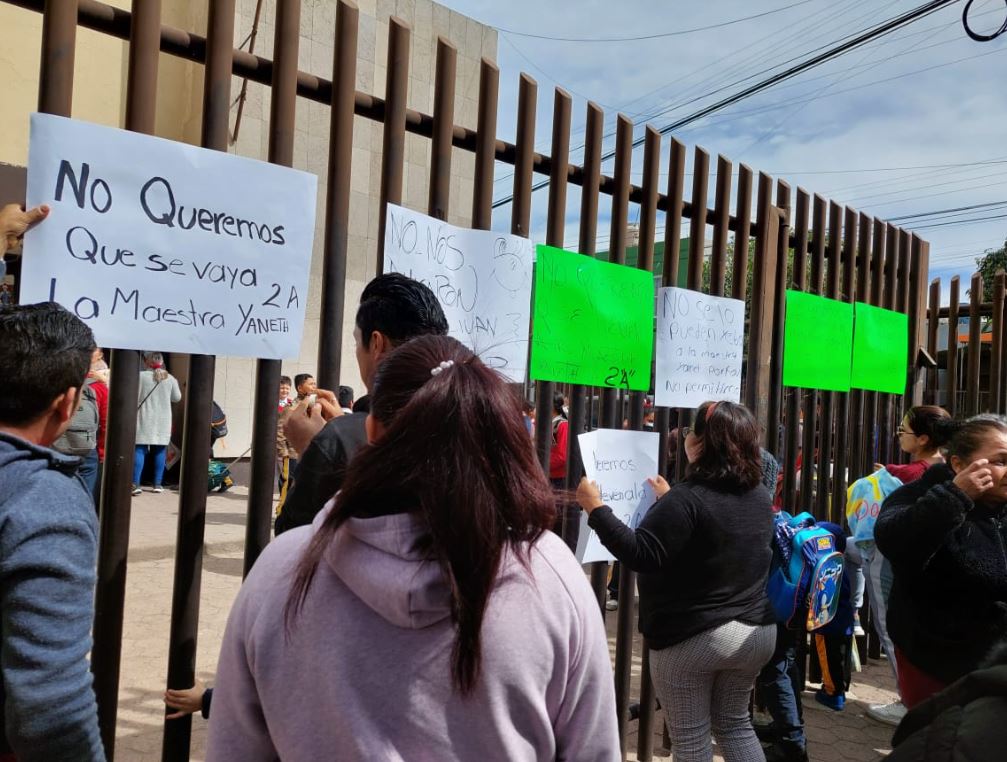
99 96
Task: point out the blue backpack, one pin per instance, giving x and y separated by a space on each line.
806 574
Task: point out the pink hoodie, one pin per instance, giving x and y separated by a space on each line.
365 672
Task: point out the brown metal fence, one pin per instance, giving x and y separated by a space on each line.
807 244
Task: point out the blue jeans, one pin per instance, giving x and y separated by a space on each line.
779 686
88 470
159 453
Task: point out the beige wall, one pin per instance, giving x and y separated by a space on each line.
99 97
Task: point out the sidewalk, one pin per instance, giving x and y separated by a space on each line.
832 737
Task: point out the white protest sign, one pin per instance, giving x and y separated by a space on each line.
162 245
482 280
621 462
700 343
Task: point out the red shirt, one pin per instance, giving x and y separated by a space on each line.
557 456
100 390
909 472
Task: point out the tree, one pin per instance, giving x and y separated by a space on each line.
988 264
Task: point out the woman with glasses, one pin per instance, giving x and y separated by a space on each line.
923 432
945 535
703 554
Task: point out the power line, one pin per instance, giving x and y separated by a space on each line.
946 211
657 36
961 222
878 31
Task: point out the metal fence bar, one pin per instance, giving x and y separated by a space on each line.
267 376
59 45
952 349
554 237
196 430
335 244
774 414
872 413
825 475
697 221
858 444
739 276
648 226
612 418
120 438
760 315
524 155
393 142
439 196
798 282
975 346
996 341
842 419
721 220
482 186
1002 396
933 323
672 261
809 448
915 311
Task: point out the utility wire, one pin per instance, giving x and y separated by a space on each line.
883 29
659 35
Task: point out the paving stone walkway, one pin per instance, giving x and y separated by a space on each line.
832 736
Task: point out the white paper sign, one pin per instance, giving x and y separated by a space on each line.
164 246
482 280
700 343
621 462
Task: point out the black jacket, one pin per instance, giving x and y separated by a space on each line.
321 469
703 558
948 604
966 722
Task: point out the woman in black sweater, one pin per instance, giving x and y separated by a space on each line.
703 553
945 537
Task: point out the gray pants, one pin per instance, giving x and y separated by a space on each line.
704 684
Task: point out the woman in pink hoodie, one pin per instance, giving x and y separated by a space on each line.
426 614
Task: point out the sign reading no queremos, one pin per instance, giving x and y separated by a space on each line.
162 245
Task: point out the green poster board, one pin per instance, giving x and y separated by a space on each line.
592 321
880 350
817 342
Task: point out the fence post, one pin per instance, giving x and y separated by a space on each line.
798 282
933 323
782 245
997 342
267 375
761 313
975 345
842 419
337 197
196 431
120 441
952 354
393 144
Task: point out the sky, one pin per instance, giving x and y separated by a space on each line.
913 123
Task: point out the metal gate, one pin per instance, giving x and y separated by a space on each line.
800 242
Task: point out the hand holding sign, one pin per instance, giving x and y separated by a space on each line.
589 495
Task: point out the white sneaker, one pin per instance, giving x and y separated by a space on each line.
137 491
611 604
158 490
889 714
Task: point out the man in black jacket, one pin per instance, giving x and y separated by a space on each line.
393 309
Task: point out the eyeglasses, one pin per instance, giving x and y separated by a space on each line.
900 431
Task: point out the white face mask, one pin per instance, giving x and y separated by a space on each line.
566 411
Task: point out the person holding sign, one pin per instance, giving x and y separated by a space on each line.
433 566
15 221
703 554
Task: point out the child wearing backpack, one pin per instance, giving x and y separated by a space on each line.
834 640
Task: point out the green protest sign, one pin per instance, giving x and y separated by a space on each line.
880 349
592 321
817 342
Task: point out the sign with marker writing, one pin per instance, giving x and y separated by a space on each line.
162 245
620 462
593 321
700 347
481 278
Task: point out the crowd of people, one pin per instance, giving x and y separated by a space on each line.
415 597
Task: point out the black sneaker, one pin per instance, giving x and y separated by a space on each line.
783 751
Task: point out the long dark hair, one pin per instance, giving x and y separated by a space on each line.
730 460
455 451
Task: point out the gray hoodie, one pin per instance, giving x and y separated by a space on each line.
48 547
365 672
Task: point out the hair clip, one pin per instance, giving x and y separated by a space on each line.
441 368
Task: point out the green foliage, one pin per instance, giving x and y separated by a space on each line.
988 265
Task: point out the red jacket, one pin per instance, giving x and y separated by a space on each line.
557 456
100 390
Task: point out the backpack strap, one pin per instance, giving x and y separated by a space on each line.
156 384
